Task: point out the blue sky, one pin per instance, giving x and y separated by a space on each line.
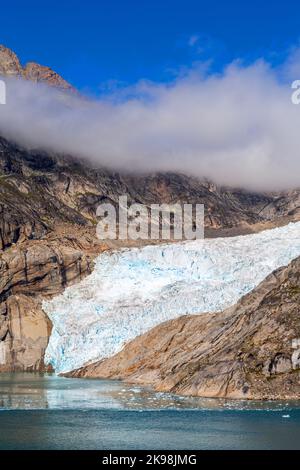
95 44
237 127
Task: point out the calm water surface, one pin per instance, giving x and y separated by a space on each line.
50 412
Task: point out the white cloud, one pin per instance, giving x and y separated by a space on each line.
237 128
193 40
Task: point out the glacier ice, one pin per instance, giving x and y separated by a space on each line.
132 290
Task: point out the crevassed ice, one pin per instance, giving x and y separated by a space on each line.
133 290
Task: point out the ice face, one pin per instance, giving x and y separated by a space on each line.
131 291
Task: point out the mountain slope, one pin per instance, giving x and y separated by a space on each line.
10 66
46 189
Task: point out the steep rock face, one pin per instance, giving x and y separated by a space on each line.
43 190
31 196
39 268
19 219
39 73
29 273
9 62
251 350
24 333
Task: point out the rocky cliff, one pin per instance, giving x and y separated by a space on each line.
10 66
28 273
249 351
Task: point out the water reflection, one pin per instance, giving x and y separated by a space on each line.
25 391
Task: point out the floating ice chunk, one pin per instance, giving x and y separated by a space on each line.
133 290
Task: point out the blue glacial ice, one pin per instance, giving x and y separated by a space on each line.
131 291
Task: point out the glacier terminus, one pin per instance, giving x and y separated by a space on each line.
132 290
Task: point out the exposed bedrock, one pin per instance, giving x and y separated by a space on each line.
28 274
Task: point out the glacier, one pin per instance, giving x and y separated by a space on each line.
132 290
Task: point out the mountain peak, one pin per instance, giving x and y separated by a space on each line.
9 62
40 73
11 66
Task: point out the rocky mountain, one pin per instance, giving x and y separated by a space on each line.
27 273
39 192
9 63
249 351
48 215
10 66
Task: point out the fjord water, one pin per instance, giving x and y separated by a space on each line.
49 412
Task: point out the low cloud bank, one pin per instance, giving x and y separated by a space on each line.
236 128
